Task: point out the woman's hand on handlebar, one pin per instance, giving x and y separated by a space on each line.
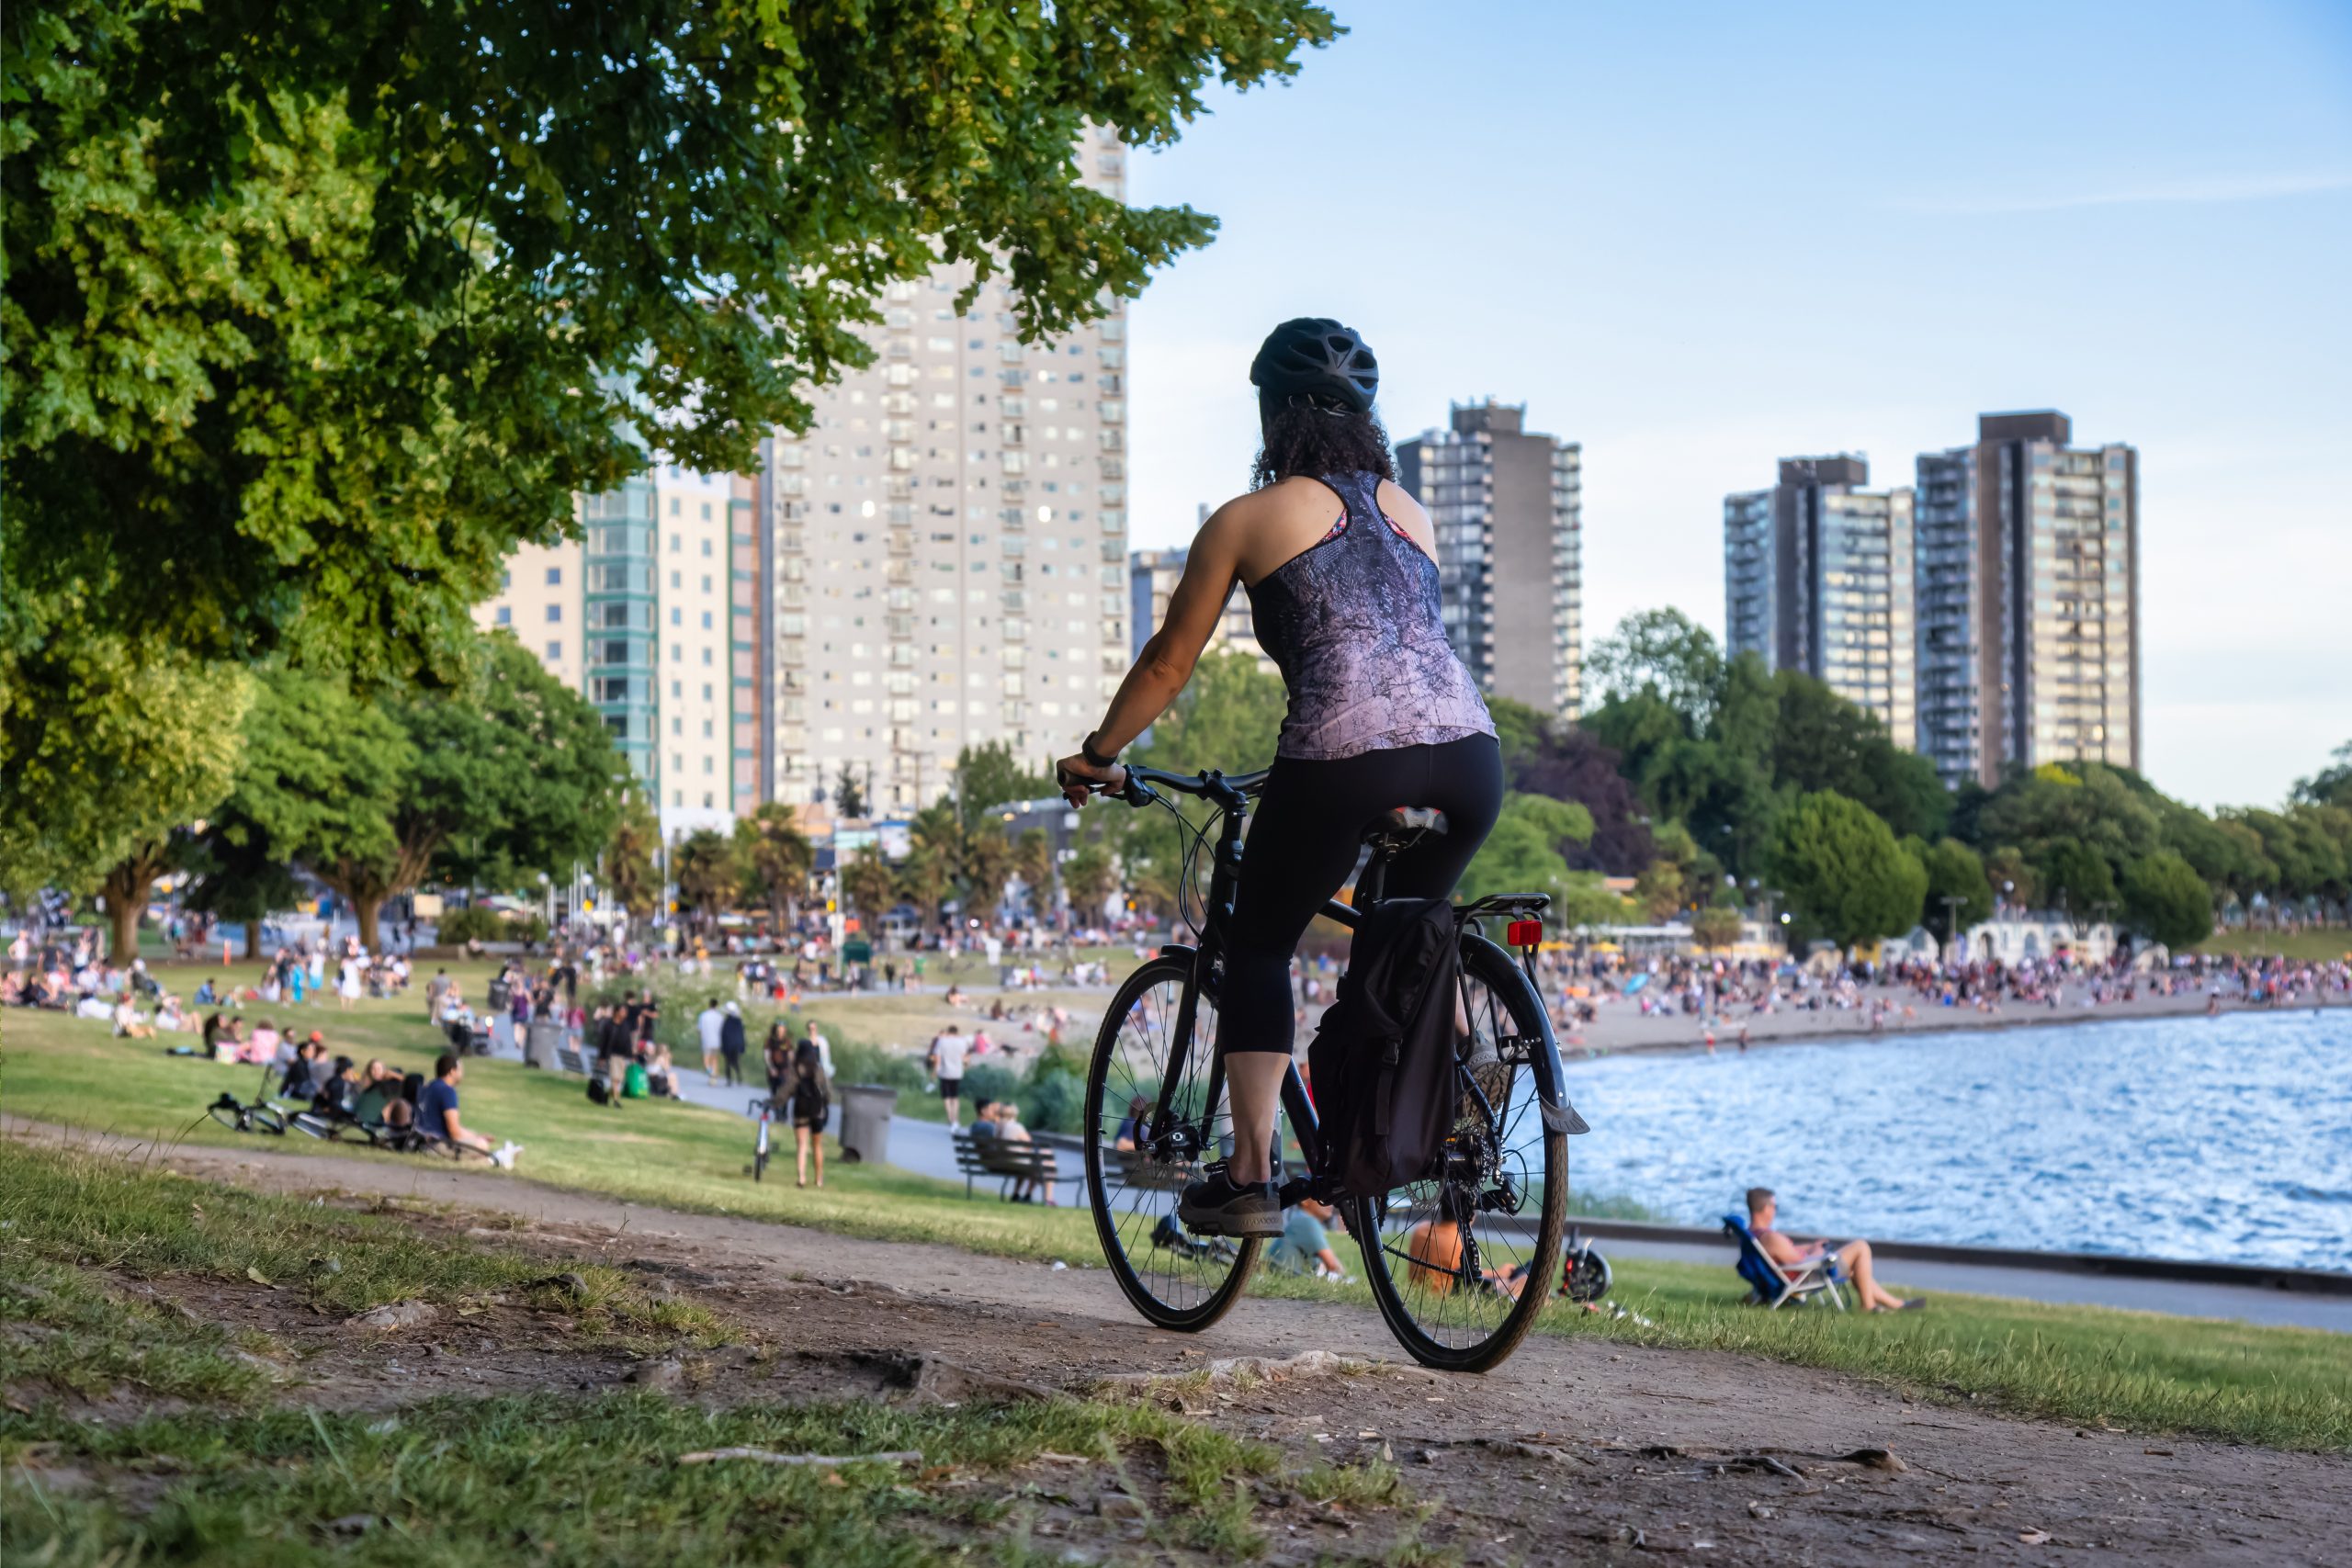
1077 778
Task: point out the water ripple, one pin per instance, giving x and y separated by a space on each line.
2224 1139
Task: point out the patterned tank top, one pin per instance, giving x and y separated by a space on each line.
1355 625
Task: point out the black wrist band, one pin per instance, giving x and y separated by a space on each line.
1095 759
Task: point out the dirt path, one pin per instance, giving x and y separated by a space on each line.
1574 1452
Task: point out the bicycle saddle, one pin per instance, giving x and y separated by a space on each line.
1405 822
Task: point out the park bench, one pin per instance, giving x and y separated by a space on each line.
1008 1163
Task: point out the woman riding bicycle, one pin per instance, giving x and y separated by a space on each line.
1340 564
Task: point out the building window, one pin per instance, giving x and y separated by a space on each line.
706 620
502 616
555 577
554 612
555 653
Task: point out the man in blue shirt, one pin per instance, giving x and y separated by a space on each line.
437 1113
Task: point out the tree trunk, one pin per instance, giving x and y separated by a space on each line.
367 910
126 887
253 941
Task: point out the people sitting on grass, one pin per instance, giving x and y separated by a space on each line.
437 1116
660 1073
1305 1246
379 1100
1853 1259
128 1023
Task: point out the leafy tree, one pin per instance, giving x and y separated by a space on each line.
927 878
987 777
236 874
2332 785
2052 810
849 795
2080 880
2164 900
1844 872
320 775
1662 654
2006 873
306 324
1954 872
1820 741
869 882
1523 852
629 871
773 857
1658 891
1543 756
703 866
1716 927
105 748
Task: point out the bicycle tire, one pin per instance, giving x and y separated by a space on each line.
310 1124
1188 1283
267 1119
230 1116
1419 1308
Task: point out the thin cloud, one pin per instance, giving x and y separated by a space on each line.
2214 190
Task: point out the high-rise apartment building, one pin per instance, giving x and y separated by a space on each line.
540 602
946 544
1508 506
1152 576
2028 551
650 615
1817 577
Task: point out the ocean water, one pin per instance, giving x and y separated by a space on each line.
2225 1139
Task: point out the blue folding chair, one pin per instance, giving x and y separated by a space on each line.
1773 1284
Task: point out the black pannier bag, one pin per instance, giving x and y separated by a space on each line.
1382 1062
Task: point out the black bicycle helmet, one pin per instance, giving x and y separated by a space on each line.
1316 358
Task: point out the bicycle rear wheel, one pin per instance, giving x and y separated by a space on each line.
1463 1263
229 1113
266 1119
1178 1280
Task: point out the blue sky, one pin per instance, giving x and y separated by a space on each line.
1700 238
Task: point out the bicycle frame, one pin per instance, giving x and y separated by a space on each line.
1231 796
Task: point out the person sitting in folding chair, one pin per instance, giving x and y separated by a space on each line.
1851 1261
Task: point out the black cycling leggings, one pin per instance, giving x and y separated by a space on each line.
1303 841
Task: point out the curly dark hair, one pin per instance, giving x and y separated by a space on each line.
1305 438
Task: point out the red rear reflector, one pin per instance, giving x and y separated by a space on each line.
1526 933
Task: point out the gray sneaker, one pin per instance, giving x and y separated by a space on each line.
1219 1206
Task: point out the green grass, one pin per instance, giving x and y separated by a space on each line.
75 1226
2310 946
550 1479
250 1475
2281 1387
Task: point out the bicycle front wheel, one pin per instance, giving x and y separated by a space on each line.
1178 1280
266 1119
1463 1262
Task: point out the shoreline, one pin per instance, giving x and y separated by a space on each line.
1679 1033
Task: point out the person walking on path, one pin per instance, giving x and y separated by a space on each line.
946 1064
812 1104
731 1044
709 1025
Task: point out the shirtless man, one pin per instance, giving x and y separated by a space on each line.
1854 1258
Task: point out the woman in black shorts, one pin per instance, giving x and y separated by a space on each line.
812 1107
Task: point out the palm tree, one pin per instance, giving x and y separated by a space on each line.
987 866
774 857
704 868
629 857
1033 861
1089 878
869 882
926 879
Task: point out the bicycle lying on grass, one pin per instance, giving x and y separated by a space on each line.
1461 1261
258 1116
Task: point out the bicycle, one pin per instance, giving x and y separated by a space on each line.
260 1116
1459 1269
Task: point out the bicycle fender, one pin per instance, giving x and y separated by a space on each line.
1563 1117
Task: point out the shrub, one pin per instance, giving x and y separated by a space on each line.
1056 1102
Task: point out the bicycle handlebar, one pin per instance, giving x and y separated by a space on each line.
1134 784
